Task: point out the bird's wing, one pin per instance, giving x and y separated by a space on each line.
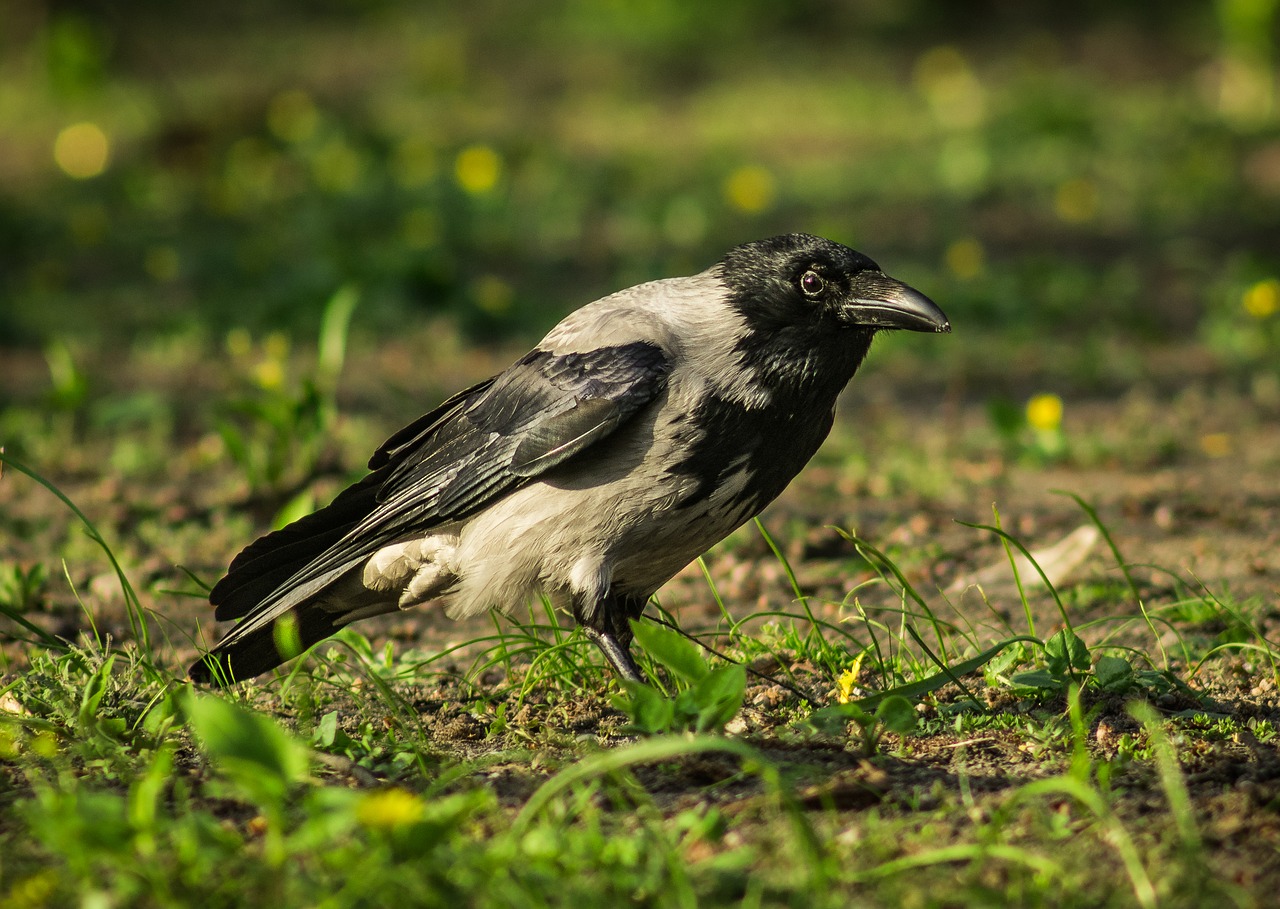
474 448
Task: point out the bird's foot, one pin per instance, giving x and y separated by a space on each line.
616 653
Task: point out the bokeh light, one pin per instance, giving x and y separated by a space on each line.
1044 412
947 81
1076 201
477 169
966 258
1262 299
492 294
292 116
750 189
82 150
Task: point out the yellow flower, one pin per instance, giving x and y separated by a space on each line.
1262 299
239 343
1216 444
848 679
1044 412
952 88
82 150
293 116
390 808
269 374
477 169
492 294
1076 201
750 189
162 263
31 891
965 258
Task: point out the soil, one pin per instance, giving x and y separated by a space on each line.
1181 470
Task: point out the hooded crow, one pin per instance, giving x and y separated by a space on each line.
641 430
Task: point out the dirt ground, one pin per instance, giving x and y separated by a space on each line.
1180 467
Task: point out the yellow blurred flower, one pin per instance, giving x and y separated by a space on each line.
477 169
848 680
1216 444
954 92
239 343
269 374
1262 299
293 116
492 294
162 263
276 345
390 808
1076 201
1044 412
35 890
966 258
82 150
750 189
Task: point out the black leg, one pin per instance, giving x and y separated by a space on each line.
616 653
609 628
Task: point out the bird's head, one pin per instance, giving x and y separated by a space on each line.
806 283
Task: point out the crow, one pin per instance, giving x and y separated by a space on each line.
639 432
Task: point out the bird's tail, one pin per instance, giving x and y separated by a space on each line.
280 586
265 648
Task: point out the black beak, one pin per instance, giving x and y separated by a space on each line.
879 301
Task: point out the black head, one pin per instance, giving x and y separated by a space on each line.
798 281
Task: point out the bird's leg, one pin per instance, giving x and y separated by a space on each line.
616 653
608 627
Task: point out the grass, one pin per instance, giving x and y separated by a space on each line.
849 729
961 767
865 738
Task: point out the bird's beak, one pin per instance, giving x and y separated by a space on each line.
879 301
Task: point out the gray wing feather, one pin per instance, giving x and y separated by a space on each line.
478 446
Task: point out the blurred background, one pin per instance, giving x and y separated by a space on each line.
1108 172
242 242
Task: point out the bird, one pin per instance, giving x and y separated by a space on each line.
640 431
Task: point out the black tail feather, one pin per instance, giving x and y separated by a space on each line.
262 566
260 652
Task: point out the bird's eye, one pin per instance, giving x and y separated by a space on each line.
812 283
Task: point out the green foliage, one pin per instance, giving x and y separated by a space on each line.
246 207
21 590
893 713
251 750
705 700
1067 661
278 432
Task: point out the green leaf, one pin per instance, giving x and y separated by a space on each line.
299 506
332 343
1114 674
94 690
1037 678
286 637
833 719
919 689
250 748
718 696
649 711
671 649
897 714
1066 654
